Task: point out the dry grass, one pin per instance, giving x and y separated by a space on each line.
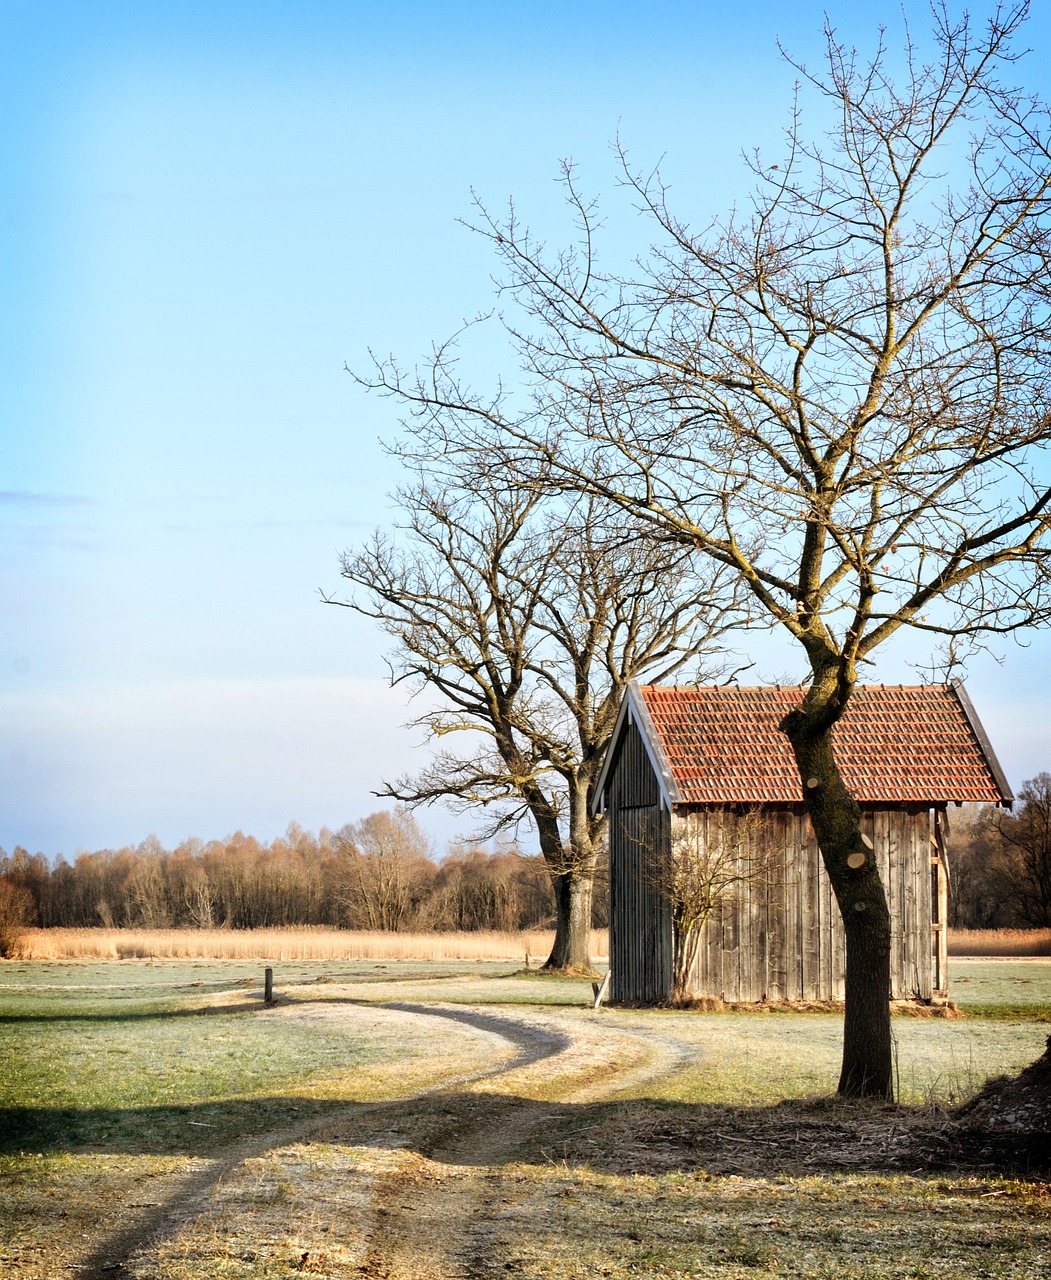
254 1144
1000 942
308 943
288 944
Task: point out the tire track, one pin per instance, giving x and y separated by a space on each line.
185 1194
420 1211
448 1231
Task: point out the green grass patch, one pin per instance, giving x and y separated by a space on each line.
1002 989
748 1059
120 1073
467 983
185 1064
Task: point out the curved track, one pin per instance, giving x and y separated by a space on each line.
407 1189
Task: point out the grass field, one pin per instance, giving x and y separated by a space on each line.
142 1097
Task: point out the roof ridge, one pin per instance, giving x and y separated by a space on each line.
759 688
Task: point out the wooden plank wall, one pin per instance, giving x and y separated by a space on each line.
940 905
781 938
640 921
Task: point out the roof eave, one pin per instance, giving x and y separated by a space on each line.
978 729
633 709
662 769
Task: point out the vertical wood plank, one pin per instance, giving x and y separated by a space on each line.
940 909
909 907
778 914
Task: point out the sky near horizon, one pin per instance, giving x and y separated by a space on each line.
206 211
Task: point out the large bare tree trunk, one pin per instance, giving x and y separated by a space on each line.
573 921
867 1069
572 879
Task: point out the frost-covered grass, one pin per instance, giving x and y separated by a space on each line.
123 1078
185 1058
574 1222
756 1059
1003 989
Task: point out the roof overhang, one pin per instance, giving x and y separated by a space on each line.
977 728
633 711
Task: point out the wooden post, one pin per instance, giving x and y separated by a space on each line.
268 987
600 990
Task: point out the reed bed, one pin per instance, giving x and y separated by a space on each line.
289 944
307 943
1000 942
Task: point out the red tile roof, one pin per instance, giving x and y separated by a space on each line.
896 744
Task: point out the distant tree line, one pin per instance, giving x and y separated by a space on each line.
1000 863
378 873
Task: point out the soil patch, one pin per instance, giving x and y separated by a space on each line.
1004 1130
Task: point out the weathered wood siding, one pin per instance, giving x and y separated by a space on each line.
780 936
940 905
640 922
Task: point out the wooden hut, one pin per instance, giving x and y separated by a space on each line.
685 765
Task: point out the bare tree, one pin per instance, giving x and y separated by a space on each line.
504 890
839 394
521 619
973 899
16 912
386 870
1001 863
1021 867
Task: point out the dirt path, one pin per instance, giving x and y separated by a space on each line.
410 1189
442 1220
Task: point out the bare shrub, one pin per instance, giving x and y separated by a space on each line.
706 869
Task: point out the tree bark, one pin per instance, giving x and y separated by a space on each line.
572 867
686 944
572 872
571 949
867 1069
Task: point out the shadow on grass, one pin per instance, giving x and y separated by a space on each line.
198 1129
625 1136
468 1127
129 1015
787 1139
209 1126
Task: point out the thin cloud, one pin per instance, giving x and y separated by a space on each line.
24 498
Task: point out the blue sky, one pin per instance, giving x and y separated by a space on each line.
205 210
